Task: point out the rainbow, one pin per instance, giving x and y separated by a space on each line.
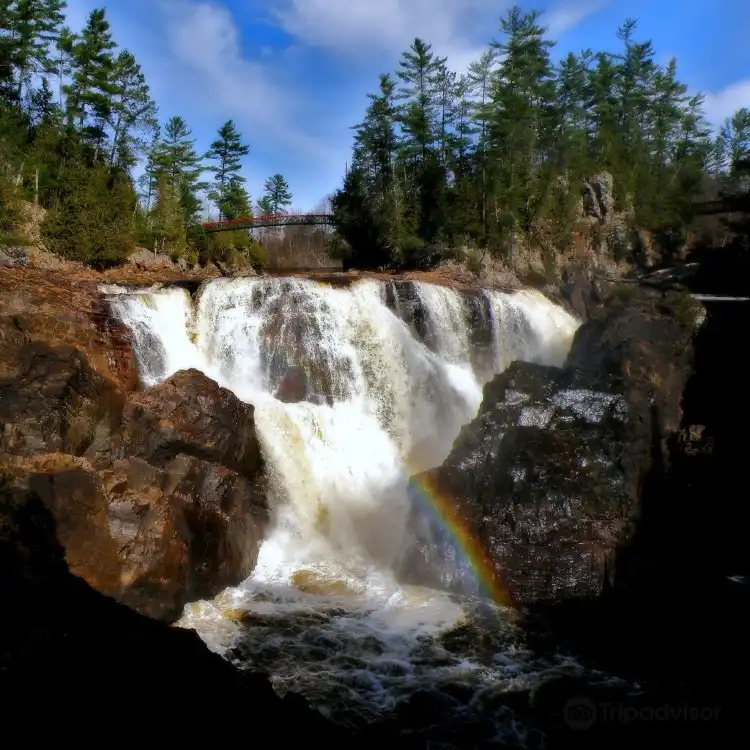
440 508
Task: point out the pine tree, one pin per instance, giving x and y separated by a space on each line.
34 28
177 157
481 76
264 206
167 220
62 62
520 119
633 91
277 196
89 95
573 137
420 72
132 111
234 201
228 151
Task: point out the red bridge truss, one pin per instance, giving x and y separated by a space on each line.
270 220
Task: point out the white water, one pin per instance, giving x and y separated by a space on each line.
388 406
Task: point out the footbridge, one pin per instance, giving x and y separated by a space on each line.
268 220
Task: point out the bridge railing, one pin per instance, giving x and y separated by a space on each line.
726 205
269 220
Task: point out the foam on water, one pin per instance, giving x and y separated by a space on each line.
322 611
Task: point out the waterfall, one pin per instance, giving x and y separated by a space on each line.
392 370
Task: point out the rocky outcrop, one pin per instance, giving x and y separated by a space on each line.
167 507
550 474
158 495
67 650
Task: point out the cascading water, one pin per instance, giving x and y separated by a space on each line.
392 370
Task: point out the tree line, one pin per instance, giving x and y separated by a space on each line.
443 161
76 120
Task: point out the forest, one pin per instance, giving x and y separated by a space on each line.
440 161
76 120
443 161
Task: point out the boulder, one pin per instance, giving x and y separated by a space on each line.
292 387
189 413
167 508
159 495
549 475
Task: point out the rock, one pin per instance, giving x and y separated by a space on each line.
147 259
65 646
13 256
51 399
603 186
598 197
62 309
550 473
591 206
166 501
291 337
293 386
189 413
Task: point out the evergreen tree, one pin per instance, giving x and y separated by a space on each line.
34 26
277 196
421 74
439 161
89 95
480 78
227 150
520 119
234 201
502 151
62 62
132 111
167 220
265 208
176 156
93 220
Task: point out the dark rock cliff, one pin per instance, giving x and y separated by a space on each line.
610 495
549 475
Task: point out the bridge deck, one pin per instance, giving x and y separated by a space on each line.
729 204
270 220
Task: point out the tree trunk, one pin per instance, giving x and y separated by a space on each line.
114 141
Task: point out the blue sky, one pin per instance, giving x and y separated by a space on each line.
294 74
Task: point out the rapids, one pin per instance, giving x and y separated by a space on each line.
393 369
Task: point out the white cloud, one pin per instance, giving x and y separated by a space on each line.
378 25
205 44
722 104
460 29
566 16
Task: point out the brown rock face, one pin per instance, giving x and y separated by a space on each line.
174 510
293 386
158 496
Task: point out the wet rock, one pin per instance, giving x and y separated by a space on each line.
293 386
548 476
602 186
13 256
292 340
159 498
